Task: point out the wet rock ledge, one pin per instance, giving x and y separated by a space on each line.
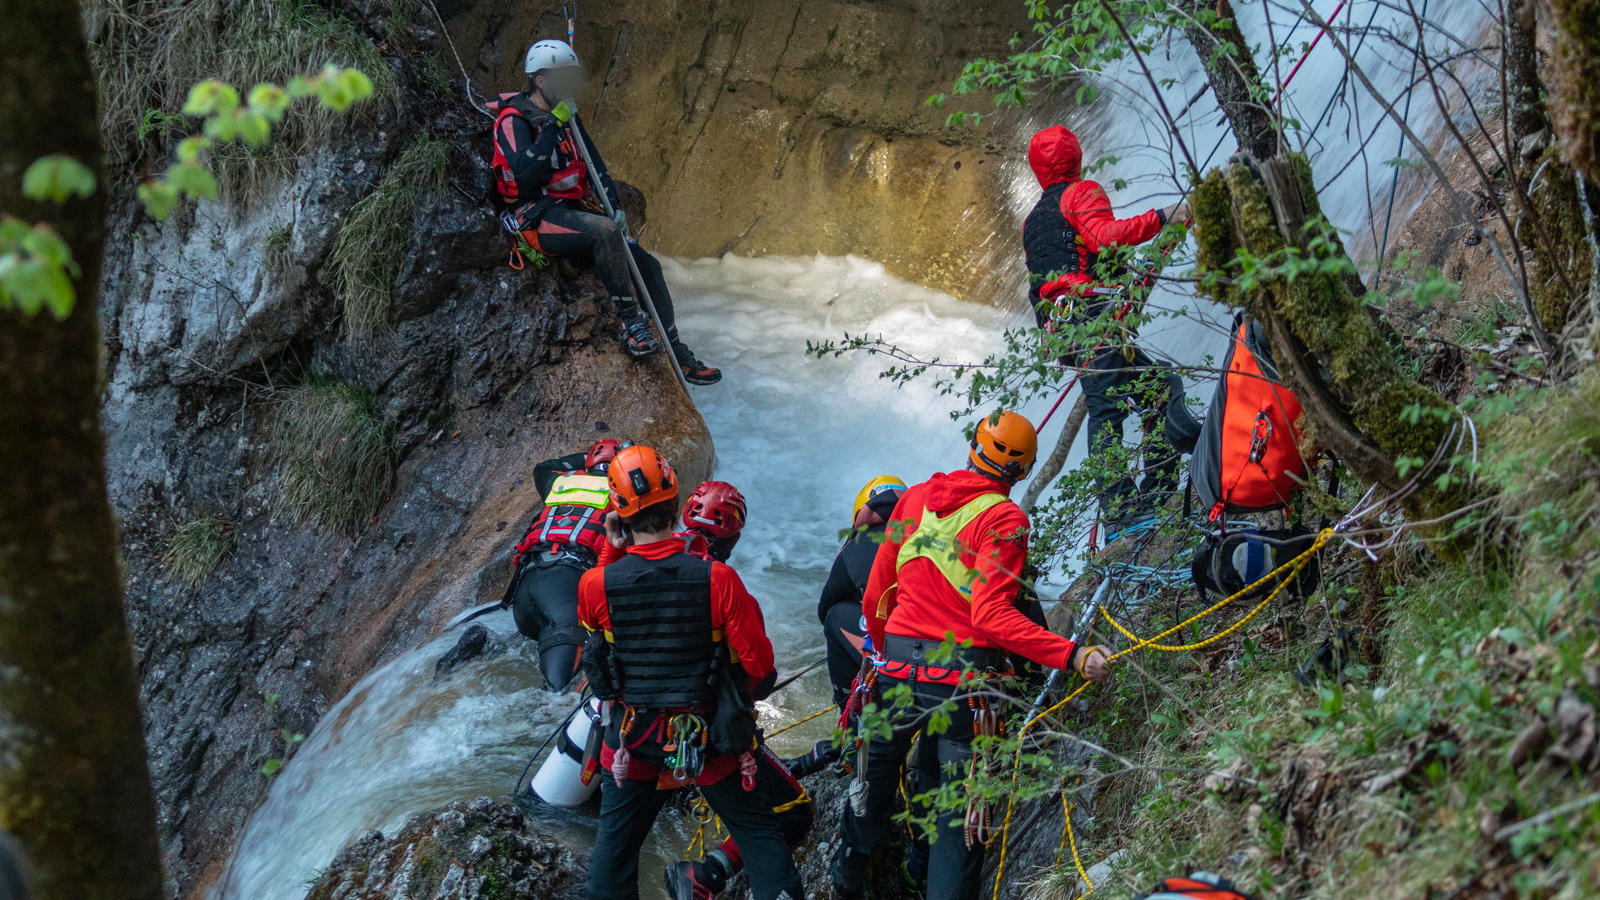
475 850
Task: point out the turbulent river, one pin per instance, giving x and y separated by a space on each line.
799 436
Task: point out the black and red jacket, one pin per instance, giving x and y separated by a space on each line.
536 160
1071 224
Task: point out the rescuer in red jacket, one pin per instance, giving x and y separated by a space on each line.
948 569
1063 238
678 647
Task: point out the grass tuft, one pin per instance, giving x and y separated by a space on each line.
275 251
196 548
372 244
335 454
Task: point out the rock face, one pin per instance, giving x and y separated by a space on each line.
480 373
793 126
480 850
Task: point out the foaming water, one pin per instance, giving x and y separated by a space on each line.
799 436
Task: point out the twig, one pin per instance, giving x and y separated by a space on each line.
1549 814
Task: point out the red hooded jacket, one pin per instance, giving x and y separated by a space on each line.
1055 157
918 601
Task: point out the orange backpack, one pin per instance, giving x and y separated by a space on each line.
1247 458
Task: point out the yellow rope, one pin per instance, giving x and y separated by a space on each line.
1073 842
1288 570
821 712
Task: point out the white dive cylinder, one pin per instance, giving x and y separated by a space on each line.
559 781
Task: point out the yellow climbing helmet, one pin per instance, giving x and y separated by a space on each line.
873 488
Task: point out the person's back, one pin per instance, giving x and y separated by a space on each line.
678 647
949 567
564 540
1064 237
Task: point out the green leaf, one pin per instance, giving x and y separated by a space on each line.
254 128
159 198
211 96
269 100
192 179
190 148
56 178
271 767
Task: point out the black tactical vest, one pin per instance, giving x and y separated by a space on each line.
661 631
1049 241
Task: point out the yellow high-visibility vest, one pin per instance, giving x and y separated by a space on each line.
936 539
577 489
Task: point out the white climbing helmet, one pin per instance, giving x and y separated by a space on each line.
549 54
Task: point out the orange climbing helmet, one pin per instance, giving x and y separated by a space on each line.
602 453
640 478
1005 446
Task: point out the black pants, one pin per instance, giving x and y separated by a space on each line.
579 234
1114 386
844 658
954 870
627 814
778 790
544 602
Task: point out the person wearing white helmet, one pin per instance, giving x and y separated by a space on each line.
545 193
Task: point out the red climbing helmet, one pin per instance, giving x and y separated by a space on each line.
603 452
716 509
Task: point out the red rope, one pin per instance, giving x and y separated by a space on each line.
1304 56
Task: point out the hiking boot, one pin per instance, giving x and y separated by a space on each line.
820 757
700 880
636 337
695 371
914 867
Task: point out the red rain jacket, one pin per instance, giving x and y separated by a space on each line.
918 601
1055 157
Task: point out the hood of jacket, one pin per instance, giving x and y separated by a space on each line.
1055 156
949 491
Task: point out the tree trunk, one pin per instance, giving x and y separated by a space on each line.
1214 33
74 785
1525 92
1575 83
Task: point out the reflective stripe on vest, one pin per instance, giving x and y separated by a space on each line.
937 540
575 489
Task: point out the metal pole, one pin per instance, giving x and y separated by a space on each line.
579 138
1077 630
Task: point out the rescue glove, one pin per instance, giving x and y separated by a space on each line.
621 218
564 111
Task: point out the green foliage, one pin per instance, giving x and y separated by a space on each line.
196 548
36 269
227 120
148 55
372 243
56 179
273 765
335 454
